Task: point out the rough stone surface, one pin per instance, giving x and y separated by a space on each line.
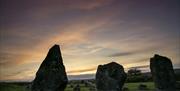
110 77
51 75
163 73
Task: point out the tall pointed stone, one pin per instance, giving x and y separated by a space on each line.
110 77
51 75
163 73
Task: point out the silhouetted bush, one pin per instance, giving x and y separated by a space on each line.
142 87
135 75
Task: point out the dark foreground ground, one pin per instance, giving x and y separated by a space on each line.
83 86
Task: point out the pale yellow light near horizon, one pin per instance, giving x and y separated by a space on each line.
90 33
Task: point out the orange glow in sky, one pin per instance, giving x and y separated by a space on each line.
89 32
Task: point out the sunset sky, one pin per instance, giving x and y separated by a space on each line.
89 32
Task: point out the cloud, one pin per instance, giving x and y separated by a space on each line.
89 32
23 75
81 70
45 9
32 43
120 54
143 66
133 52
10 59
87 5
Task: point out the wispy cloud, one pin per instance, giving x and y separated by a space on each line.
90 33
120 54
82 70
143 66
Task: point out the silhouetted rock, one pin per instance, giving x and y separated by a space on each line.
178 85
110 77
163 73
51 75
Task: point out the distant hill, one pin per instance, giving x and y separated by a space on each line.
92 76
81 77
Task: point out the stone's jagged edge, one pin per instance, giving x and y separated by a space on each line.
51 75
53 51
110 77
162 73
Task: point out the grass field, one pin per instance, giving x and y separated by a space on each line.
134 86
12 87
130 86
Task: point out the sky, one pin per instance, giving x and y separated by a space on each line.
89 32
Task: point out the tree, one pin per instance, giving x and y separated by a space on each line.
134 72
134 75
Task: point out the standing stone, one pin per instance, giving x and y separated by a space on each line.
110 77
163 73
51 75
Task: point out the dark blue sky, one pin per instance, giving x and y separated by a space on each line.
90 32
